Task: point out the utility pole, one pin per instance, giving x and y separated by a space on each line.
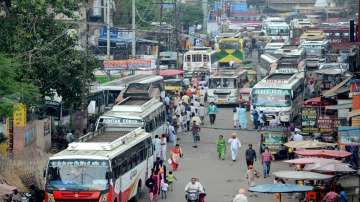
108 29
133 42
159 38
205 15
177 30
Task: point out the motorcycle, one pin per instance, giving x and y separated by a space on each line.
192 196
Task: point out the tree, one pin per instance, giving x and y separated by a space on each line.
13 90
190 14
47 52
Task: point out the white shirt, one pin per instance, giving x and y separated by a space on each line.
201 111
164 186
298 137
167 100
196 186
234 143
157 144
240 198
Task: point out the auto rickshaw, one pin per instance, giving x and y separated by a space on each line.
274 139
173 85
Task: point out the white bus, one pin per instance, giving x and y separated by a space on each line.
134 112
147 86
102 167
224 86
276 29
279 96
199 60
315 43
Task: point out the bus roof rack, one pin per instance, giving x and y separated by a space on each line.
98 141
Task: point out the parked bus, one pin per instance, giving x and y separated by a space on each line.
107 166
224 86
147 86
198 60
279 96
277 29
229 48
134 112
314 43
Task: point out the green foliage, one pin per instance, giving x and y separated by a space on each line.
47 53
190 14
12 89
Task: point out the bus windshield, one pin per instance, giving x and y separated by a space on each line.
230 45
77 174
271 97
222 83
278 31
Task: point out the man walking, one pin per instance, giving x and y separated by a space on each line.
266 158
234 146
157 146
196 133
212 110
250 156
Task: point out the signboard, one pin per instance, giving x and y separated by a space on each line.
129 64
309 117
349 135
122 121
271 92
354 87
19 115
327 124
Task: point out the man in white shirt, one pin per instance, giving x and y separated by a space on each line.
234 146
194 185
157 146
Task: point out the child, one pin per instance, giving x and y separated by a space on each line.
170 178
164 188
250 175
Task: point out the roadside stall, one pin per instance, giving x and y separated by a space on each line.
171 73
320 182
319 121
323 153
280 188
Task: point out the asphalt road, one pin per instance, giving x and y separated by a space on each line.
221 179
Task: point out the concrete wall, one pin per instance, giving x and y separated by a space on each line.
34 139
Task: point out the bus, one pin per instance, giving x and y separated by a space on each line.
277 29
229 48
110 166
146 86
198 60
315 43
133 112
104 95
224 86
279 96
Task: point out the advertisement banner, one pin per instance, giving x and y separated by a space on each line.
354 87
19 115
309 117
327 124
349 135
143 64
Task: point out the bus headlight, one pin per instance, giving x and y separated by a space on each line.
284 116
